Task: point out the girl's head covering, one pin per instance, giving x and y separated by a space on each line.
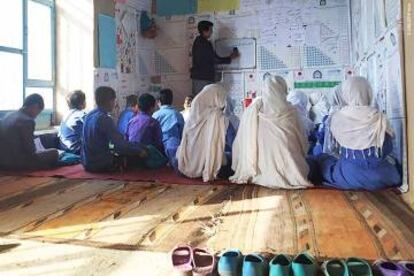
201 151
320 107
358 126
356 91
301 102
274 95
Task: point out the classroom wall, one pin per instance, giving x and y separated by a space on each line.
74 40
378 55
308 44
408 9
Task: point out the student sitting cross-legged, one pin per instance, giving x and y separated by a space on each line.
99 132
205 149
172 124
143 128
130 110
146 130
18 150
70 132
364 137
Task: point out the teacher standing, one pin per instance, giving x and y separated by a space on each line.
205 58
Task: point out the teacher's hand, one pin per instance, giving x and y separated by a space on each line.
235 54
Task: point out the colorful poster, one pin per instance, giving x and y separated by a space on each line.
205 6
176 7
107 41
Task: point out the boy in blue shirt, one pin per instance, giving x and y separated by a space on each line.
129 112
70 132
99 131
172 123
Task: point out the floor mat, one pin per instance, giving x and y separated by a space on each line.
164 175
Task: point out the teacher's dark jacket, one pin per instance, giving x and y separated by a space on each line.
205 59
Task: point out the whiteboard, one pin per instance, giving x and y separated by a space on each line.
247 50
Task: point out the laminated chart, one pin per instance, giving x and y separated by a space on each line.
272 57
295 34
126 38
171 61
205 6
176 7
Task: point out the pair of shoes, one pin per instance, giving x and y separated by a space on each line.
388 268
302 265
233 263
192 261
352 266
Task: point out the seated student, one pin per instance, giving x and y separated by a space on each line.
324 131
301 102
143 128
70 132
364 136
99 131
187 107
205 149
18 150
171 121
271 144
130 110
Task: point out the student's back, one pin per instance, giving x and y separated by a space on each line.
70 131
95 150
127 115
17 130
18 146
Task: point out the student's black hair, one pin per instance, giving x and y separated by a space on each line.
166 97
103 95
131 100
34 99
204 26
77 100
146 102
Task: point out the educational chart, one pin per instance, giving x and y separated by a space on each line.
247 48
303 34
126 34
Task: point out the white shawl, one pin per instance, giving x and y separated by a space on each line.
270 146
201 151
301 102
358 126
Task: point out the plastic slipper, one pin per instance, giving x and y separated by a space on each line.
182 258
388 268
335 268
408 267
280 265
358 267
230 263
255 265
203 262
304 265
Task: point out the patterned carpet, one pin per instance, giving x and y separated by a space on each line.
154 217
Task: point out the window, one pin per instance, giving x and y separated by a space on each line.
27 61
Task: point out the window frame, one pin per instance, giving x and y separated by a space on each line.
35 83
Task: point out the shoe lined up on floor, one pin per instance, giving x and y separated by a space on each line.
199 262
187 260
388 268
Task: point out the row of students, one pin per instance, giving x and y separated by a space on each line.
269 149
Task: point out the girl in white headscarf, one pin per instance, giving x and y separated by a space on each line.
336 104
270 145
364 137
301 102
206 136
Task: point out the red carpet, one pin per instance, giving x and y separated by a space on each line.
165 175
